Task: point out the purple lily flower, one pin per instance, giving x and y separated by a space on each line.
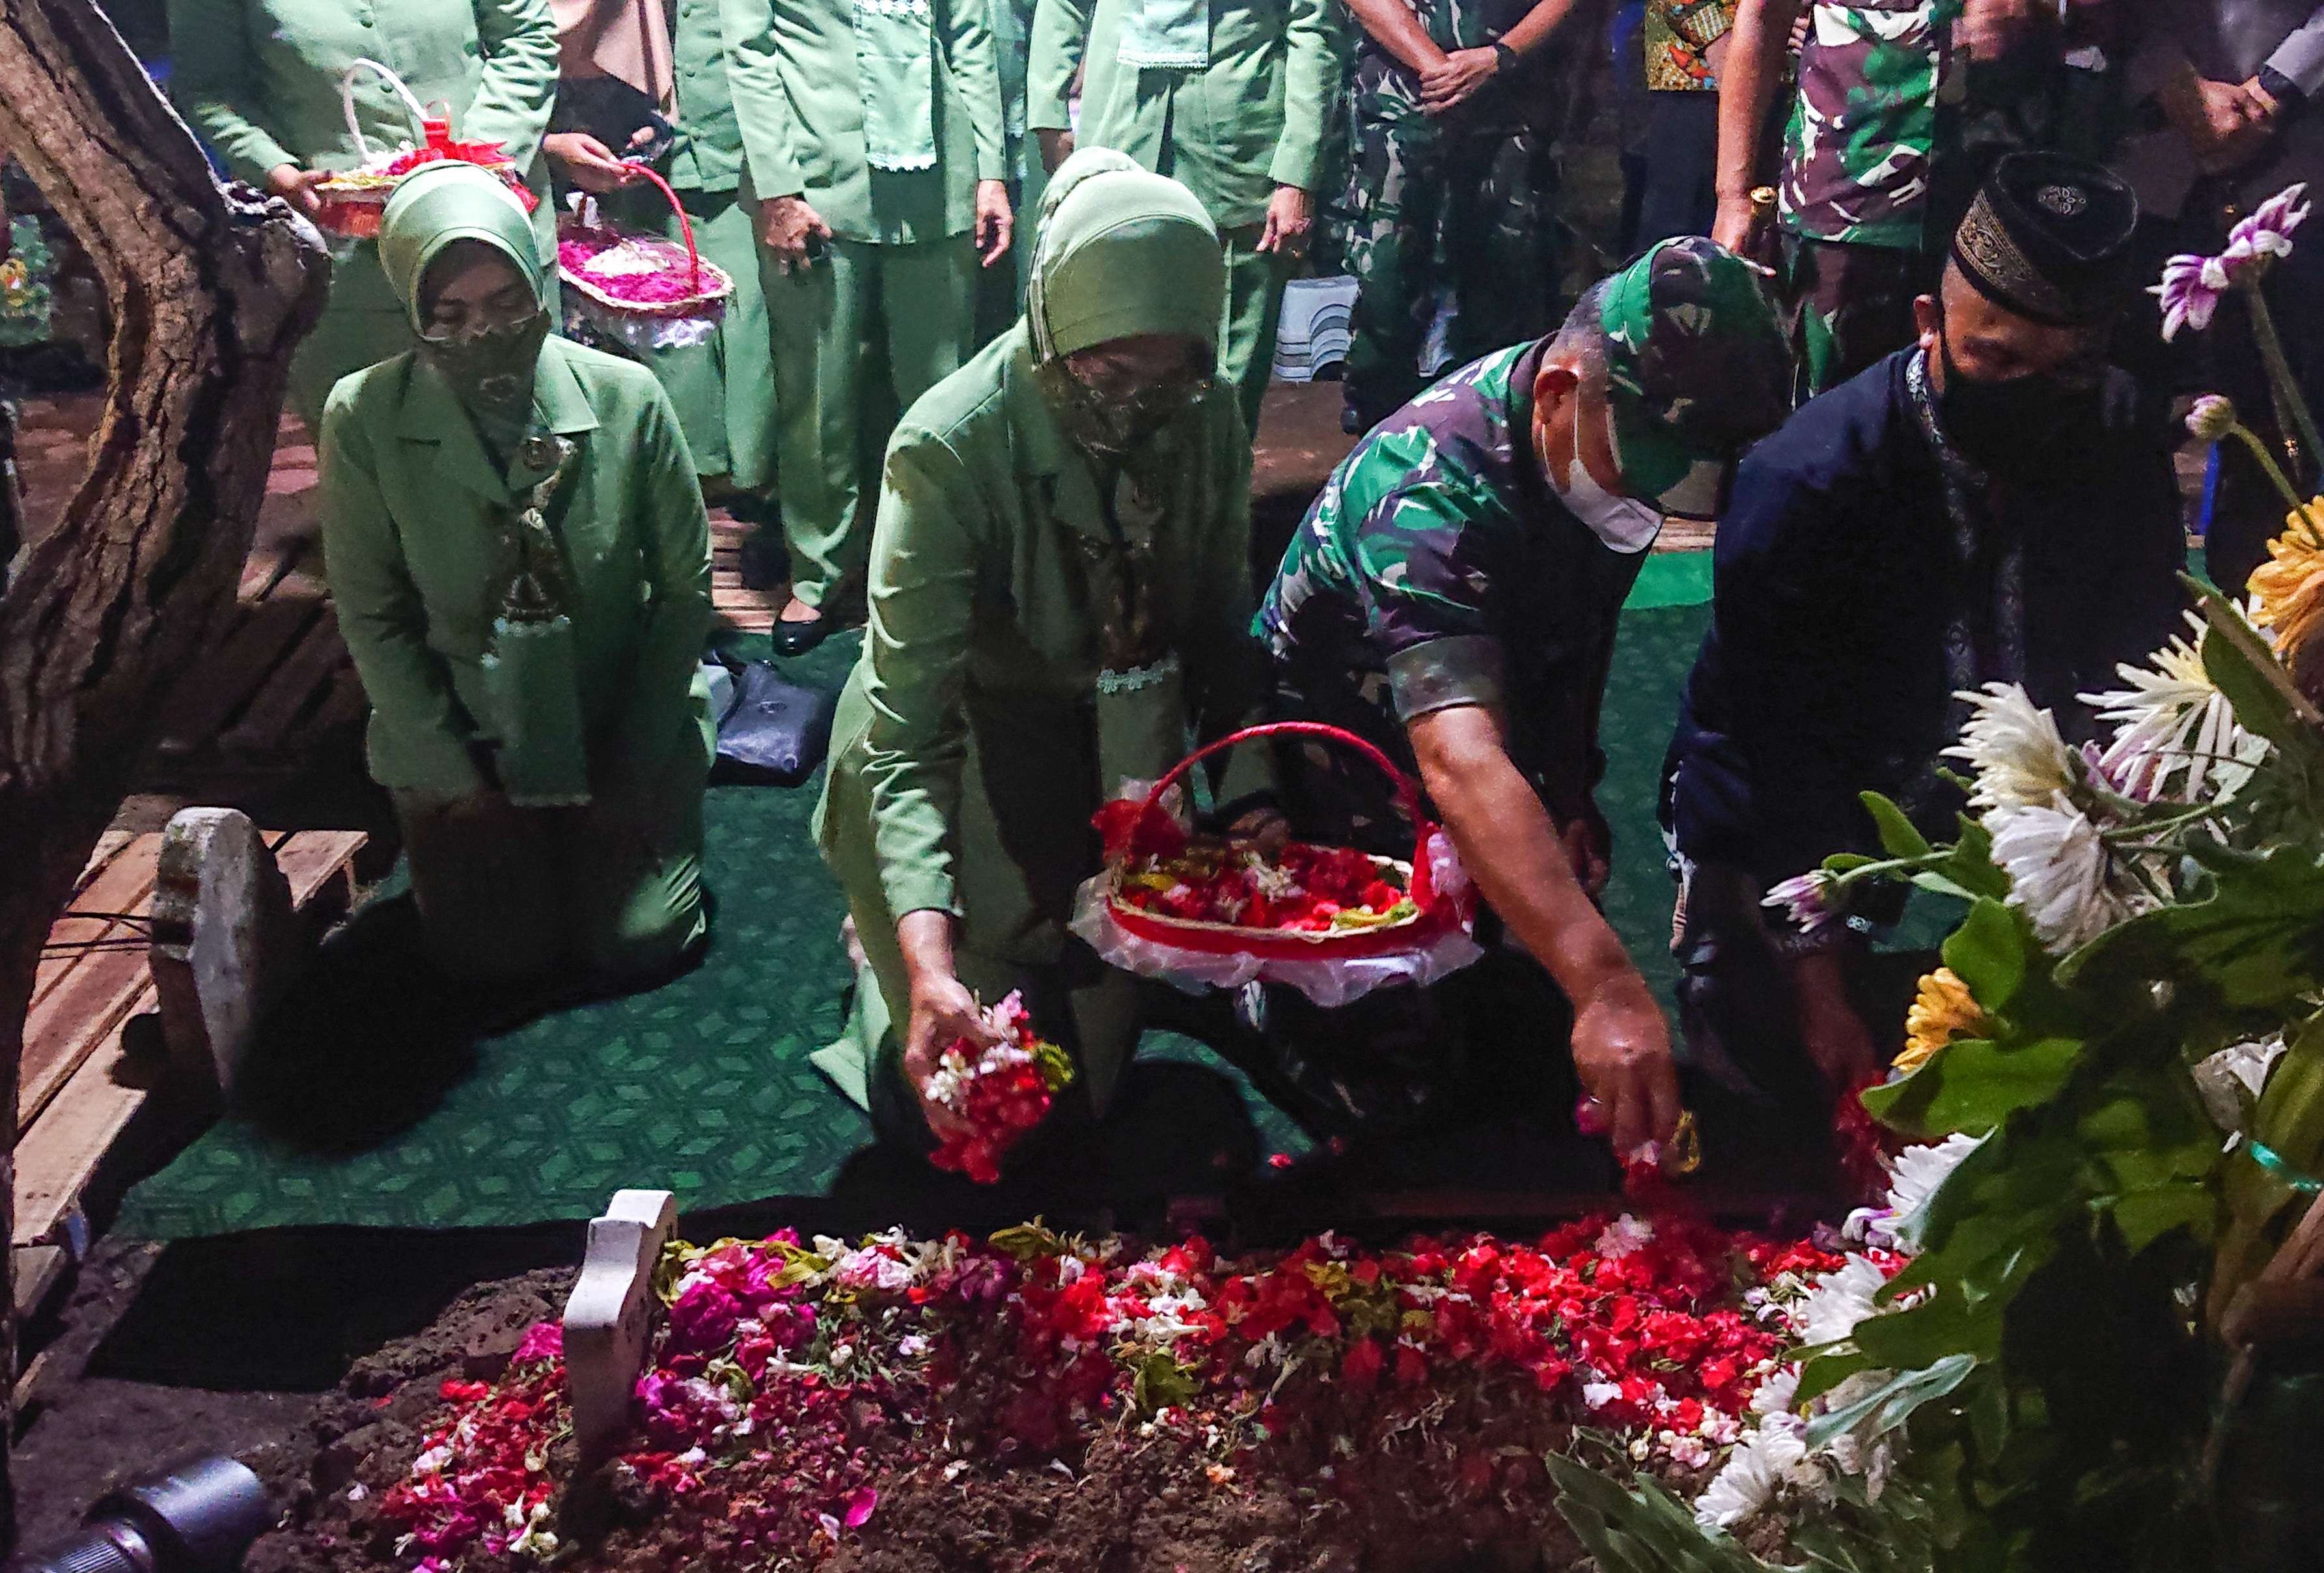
2191 287
2266 231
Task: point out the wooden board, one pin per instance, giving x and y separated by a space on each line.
55 1158
290 690
81 1086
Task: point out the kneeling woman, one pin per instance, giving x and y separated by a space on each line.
1059 593
522 565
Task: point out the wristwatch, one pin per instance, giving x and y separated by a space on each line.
1506 57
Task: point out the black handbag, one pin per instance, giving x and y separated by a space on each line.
774 732
614 113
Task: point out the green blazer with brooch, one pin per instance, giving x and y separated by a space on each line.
415 537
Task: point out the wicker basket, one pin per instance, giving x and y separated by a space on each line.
710 285
353 201
1434 913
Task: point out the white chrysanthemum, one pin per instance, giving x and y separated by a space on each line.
2014 748
1912 1179
1836 1301
1777 1393
2062 874
2173 722
2231 1080
1760 1464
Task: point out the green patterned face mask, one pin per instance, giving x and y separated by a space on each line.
491 371
1118 423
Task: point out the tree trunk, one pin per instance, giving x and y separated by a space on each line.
210 291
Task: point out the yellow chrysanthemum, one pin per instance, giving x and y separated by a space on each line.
2289 587
1944 1011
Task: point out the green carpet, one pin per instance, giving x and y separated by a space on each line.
384 1110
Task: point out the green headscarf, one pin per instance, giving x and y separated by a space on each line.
1122 253
439 204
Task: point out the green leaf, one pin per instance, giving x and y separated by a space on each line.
2147 1215
1643 1530
1990 953
1974 1085
1899 838
2255 941
1892 1403
2239 663
1161 1383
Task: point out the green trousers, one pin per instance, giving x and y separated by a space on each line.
1020 847
614 889
362 325
822 317
724 389
1253 311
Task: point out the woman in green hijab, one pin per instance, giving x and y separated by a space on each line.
521 567
1060 599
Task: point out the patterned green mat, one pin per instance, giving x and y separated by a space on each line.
387 1110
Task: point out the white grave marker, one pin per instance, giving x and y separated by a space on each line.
605 1320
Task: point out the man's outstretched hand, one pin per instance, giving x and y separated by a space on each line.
1622 1053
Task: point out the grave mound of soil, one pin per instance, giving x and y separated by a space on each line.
1039 1401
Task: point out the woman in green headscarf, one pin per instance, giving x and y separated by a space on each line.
1059 597
522 566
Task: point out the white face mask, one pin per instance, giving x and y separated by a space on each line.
1624 524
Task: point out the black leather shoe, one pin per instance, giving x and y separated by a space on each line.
798 638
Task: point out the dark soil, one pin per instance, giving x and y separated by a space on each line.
1129 1503
361 1439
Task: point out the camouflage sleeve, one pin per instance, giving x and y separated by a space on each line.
1426 557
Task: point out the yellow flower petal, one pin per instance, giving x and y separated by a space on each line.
1945 1009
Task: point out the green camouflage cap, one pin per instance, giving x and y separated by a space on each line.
1697 370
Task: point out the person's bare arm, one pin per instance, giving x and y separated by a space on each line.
1747 82
1392 25
1834 1035
1512 848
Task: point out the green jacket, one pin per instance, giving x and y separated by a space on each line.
983 640
792 65
1230 133
709 156
260 79
413 512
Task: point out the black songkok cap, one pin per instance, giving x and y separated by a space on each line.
2048 237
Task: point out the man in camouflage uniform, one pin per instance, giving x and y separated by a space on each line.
1453 181
1451 597
1853 192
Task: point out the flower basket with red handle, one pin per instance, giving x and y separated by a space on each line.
354 199
1177 931
645 290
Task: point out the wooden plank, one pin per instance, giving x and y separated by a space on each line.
320 866
56 1159
103 853
66 1027
290 690
125 885
38 1270
214 690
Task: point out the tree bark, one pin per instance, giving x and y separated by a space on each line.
210 291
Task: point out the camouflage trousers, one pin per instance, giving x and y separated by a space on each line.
1433 206
1850 305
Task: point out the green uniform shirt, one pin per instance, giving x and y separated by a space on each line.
797 94
709 156
1229 132
982 621
260 79
414 515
